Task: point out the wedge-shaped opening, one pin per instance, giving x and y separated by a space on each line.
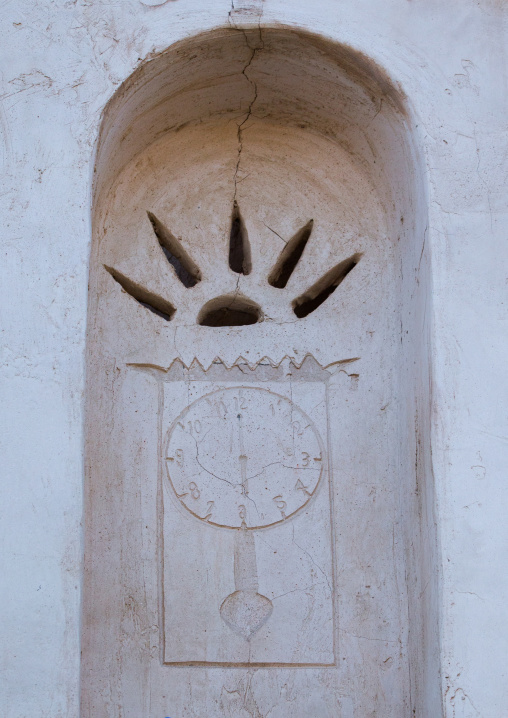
230 311
185 268
289 257
319 292
239 247
156 304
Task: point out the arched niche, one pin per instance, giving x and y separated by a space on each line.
259 216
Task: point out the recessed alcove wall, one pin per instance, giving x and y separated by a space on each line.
287 127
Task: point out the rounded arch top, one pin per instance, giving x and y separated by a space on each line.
247 139
292 76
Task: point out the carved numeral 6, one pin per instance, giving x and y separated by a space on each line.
280 504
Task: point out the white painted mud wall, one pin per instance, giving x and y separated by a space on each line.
60 64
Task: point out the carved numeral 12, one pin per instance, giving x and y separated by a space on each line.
239 403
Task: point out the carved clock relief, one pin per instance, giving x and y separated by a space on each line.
246 501
243 458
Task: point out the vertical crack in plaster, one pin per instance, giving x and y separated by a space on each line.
410 675
240 128
249 702
254 50
312 561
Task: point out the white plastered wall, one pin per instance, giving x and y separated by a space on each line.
60 65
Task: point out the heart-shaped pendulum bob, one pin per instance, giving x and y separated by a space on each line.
245 610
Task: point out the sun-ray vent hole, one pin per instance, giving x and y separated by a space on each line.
319 292
185 268
229 311
156 304
289 257
239 247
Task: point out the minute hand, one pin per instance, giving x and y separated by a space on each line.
242 458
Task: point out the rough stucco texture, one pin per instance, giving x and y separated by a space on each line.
60 64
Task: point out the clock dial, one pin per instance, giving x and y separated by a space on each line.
243 456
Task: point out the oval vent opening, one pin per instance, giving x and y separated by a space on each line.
229 311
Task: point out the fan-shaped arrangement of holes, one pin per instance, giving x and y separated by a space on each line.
232 310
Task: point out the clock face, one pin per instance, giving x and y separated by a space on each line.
243 457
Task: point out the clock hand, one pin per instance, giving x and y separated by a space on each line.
242 458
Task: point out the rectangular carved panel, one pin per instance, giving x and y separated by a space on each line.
247 574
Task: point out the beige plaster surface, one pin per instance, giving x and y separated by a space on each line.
429 381
203 441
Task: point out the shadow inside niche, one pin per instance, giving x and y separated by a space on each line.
319 292
229 311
